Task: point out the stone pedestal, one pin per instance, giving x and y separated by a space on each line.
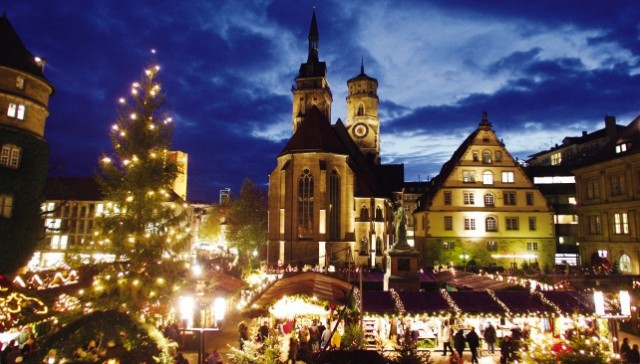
402 269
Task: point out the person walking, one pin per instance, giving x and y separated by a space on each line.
446 335
505 349
624 349
633 357
459 342
474 341
490 338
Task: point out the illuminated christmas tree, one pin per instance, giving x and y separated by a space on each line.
145 224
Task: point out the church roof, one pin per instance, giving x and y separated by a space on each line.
13 53
315 134
362 76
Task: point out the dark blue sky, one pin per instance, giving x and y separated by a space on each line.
543 70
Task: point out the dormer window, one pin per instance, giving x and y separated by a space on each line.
20 83
621 148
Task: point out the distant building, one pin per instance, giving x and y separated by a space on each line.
225 196
182 161
608 193
482 207
24 153
330 199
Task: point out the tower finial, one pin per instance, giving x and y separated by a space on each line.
485 119
362 65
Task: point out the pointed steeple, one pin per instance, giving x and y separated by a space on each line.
362 65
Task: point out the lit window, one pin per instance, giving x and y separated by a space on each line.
556 158
468 176
6 204
508 177
621 223
572 200
448 223
487 178
492 246
469 224
511 223
532 246
469 198
486 157
449 245
509 198
21 111
620 148
10 156
532 224
20 82
491 224
11 111
603 253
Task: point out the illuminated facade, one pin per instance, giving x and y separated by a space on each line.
482 208
329 197
181 159
24 153
608 192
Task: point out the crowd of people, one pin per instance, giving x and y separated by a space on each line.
19 350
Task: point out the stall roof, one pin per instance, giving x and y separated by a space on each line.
423 302
378 302
522 302
571 301
476 302
309 283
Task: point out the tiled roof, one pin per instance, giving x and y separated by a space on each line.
13 53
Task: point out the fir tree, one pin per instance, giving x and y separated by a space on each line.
144 225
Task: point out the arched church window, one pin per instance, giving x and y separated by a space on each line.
305 204
624 264
364 246
360 110
364 213
378 214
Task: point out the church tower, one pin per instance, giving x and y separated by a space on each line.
362 121
312 87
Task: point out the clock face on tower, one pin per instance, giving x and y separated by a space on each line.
360 130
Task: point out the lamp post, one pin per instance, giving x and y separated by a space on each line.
215 310
612 319
464 256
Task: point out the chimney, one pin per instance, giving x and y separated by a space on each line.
610 126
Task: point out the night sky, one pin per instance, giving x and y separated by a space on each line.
543 70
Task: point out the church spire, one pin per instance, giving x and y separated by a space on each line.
314 38
362 65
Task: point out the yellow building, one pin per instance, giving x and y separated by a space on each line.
182 161
608 193
482 208
330 199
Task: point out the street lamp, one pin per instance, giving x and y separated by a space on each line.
625 312
464 256
216 310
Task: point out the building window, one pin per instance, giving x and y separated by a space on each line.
511 223
489 200
492 246
468 198
620 223
20 83
617 185
532 246
508 177
475 155
620 148
491 224
6 204
305 204
498 156
486 157
572 200
602 253
556 158
487 178
468 176
379 214
469 224
16 111
529 198
360 110
595 225
449 245
509 198
448 223
593 189
532 224
10 156
334 206
447 197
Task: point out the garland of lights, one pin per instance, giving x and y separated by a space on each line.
398 302
547 302
357 296
498 301
450 301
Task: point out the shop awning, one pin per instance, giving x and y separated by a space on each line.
423 302
522 302
321 286
572 301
